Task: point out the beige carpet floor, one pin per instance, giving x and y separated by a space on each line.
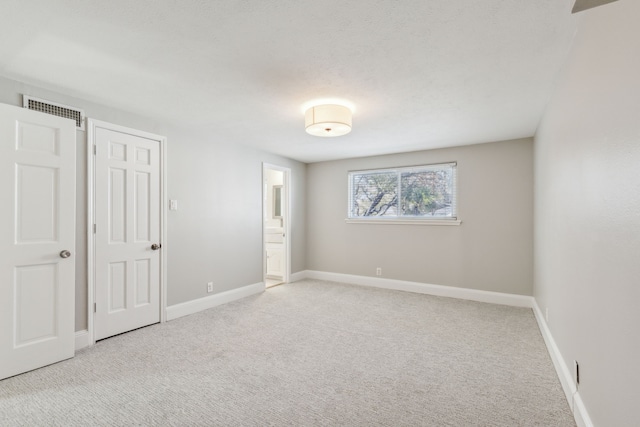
310 353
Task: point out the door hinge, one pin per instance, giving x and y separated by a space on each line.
94 307
94 229
94 150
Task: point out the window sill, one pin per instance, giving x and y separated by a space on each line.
403 221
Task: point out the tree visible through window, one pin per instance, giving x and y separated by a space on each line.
416 192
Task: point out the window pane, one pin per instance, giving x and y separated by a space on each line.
374 194
427 192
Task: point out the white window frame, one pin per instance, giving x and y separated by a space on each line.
454 220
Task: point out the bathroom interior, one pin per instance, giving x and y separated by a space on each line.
274 227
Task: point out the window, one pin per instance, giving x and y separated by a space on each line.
413 193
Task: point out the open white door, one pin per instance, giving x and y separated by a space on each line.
276 224
127 229
37 239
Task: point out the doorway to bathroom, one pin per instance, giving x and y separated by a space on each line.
276 224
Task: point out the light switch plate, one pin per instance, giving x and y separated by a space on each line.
173 205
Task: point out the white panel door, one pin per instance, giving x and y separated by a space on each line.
127 246
275 260
37 239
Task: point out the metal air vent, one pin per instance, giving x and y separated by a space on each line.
55 109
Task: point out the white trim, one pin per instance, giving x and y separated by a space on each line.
82 339
164 234
403 221
91 135
423 288
419 167
286 181
194 306
580 413
564 374
572 394
92 125
297 276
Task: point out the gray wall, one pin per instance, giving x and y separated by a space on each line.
216 235
492 250
587 216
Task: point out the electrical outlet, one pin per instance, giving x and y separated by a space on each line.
379 271
210 287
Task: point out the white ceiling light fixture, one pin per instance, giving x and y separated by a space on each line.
328 120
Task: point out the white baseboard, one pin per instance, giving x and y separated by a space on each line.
191 307
82 339
299 275
567 381
424 288
580 413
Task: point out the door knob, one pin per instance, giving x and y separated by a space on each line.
65 254
156 246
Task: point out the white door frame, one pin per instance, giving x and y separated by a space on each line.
286 180
93 125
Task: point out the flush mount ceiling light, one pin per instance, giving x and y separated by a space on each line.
327 120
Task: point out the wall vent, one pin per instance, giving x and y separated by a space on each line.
55 109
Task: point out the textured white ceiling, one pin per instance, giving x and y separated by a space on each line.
421 73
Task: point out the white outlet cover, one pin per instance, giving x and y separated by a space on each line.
173 205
